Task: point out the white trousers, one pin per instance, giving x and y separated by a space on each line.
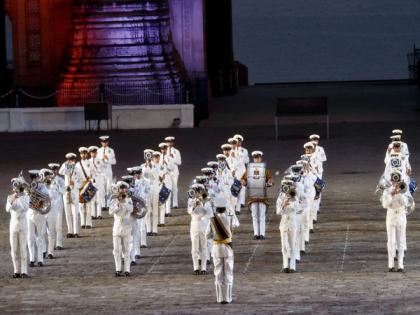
143 231
288 246
258 210
59 225
72 215
223 273
300 235
122 248
153 215
85 210
199 249
174 193
396 232
99 200
51 230
108 182
36 236
19 251
241 199
162 211
134 239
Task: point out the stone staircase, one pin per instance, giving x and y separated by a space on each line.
127 47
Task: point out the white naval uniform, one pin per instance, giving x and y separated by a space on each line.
56 197
121 231
143 186
18 231
404 151
61 188
308 181
242 155
151 172
99 178
225 181
240 170
102 151
288 230
37 226
168 167
85 209
396 223
198 229
71 198
175 175
222 254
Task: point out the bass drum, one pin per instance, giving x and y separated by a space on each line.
256 181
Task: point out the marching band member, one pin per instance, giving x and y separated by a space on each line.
85 168
164 180
287 207
397 136
243 156
99 170
396 151
169 162
240 170
150 171
73 182
121 208
59 204
36 224
107 155
198 212
176 156
398 202
232 169
17 205
319 153
315 167
134 234
222 251
257 178
225 180
143 186
51 217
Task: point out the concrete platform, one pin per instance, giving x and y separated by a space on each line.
344 270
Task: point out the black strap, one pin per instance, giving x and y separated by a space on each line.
83 170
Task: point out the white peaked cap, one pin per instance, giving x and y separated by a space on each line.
254 153
93 148
122 184
314 137
163 145
212 163
148 150
230 140
238 137
221 156
104 138
198 186
53 165
156 153
397 131
220 202
308 145
395 137
226 146
83 149
170 138
71 155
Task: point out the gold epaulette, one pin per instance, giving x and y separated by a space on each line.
225 241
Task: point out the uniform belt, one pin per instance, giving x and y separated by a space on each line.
225 241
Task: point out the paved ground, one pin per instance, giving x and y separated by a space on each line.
344 270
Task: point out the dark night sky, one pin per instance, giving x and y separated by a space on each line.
323 40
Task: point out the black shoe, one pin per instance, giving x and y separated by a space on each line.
314 221
16 275
94 218
197 272
302 252
76 236
242 206
237 213
50 256
69 235
159 225
127 274
224 302
311 231
24 275
44 254
40 264
391 269
203 272
400 270
166 215
88 226
175 207
100 217
32 264
83 226
149 233
262 237
143 246
208 262
292 270
286 270
137 257
133 263
154 234
59 248
256 237
169 215
306 242
118 273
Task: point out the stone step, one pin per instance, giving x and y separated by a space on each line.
121 51
112 60
121 67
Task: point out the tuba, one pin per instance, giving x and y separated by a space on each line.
402 187
139 204
39 200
